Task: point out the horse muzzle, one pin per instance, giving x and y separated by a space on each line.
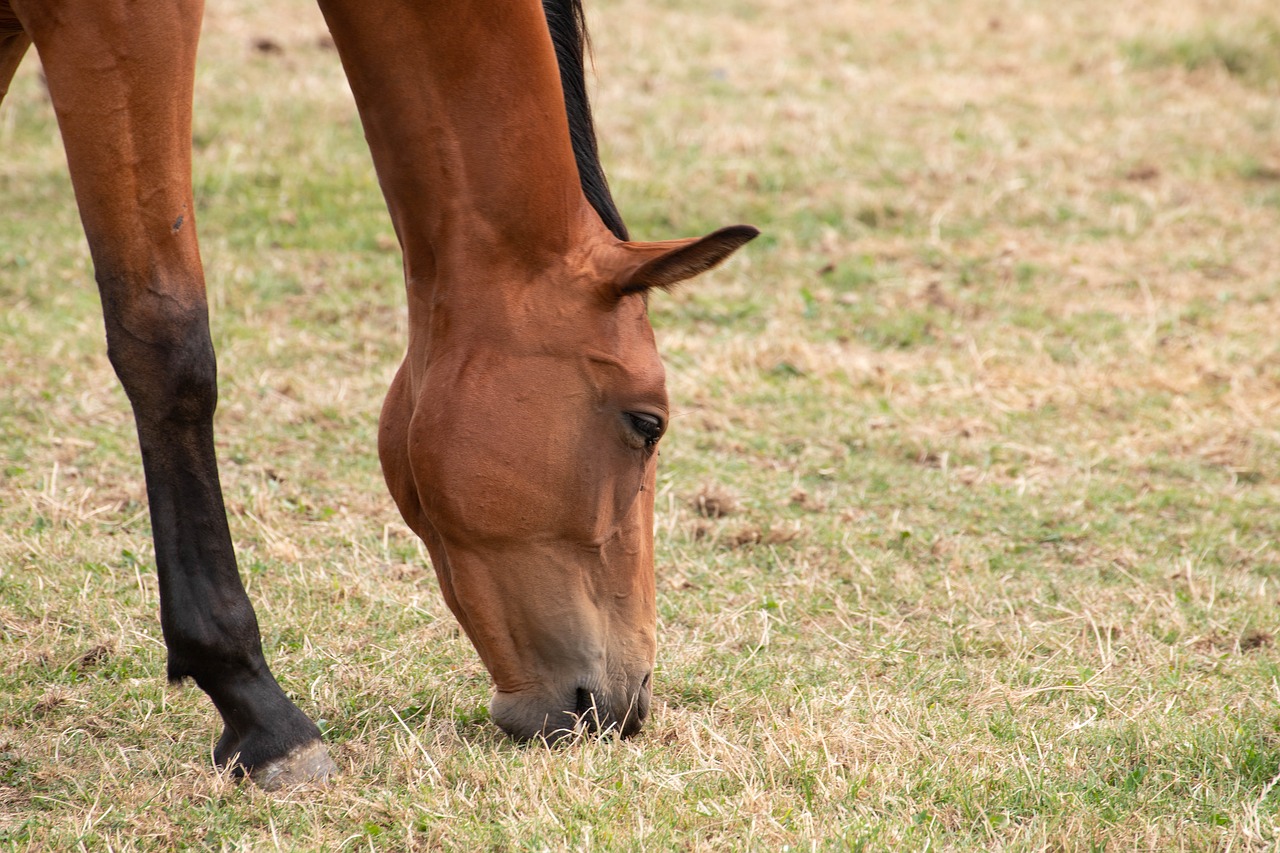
581 709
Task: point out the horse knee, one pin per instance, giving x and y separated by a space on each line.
160 348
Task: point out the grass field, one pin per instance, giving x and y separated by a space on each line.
968 517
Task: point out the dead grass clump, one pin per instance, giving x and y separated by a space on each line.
95 656
807 502
715 501
49 701
755 534
1217 643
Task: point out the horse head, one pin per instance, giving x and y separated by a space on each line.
520 441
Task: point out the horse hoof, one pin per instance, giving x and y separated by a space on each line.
308 764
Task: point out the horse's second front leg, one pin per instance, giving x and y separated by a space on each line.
120 75
13 46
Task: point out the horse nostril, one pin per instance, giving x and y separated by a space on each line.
644 682
582 701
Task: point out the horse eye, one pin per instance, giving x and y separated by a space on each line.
648 426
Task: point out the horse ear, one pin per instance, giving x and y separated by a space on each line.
665 264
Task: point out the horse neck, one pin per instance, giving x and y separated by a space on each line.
463 111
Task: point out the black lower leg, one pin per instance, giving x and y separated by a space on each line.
209 625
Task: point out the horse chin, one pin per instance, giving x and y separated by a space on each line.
569 714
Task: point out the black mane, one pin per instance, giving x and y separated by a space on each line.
568 25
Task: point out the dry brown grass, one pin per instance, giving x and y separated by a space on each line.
967 521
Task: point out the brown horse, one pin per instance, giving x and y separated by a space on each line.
518 438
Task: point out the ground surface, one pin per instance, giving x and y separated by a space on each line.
967 522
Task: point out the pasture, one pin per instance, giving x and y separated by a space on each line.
968 517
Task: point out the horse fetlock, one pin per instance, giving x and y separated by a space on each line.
215 643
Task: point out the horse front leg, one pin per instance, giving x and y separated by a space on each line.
120 75
14 42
